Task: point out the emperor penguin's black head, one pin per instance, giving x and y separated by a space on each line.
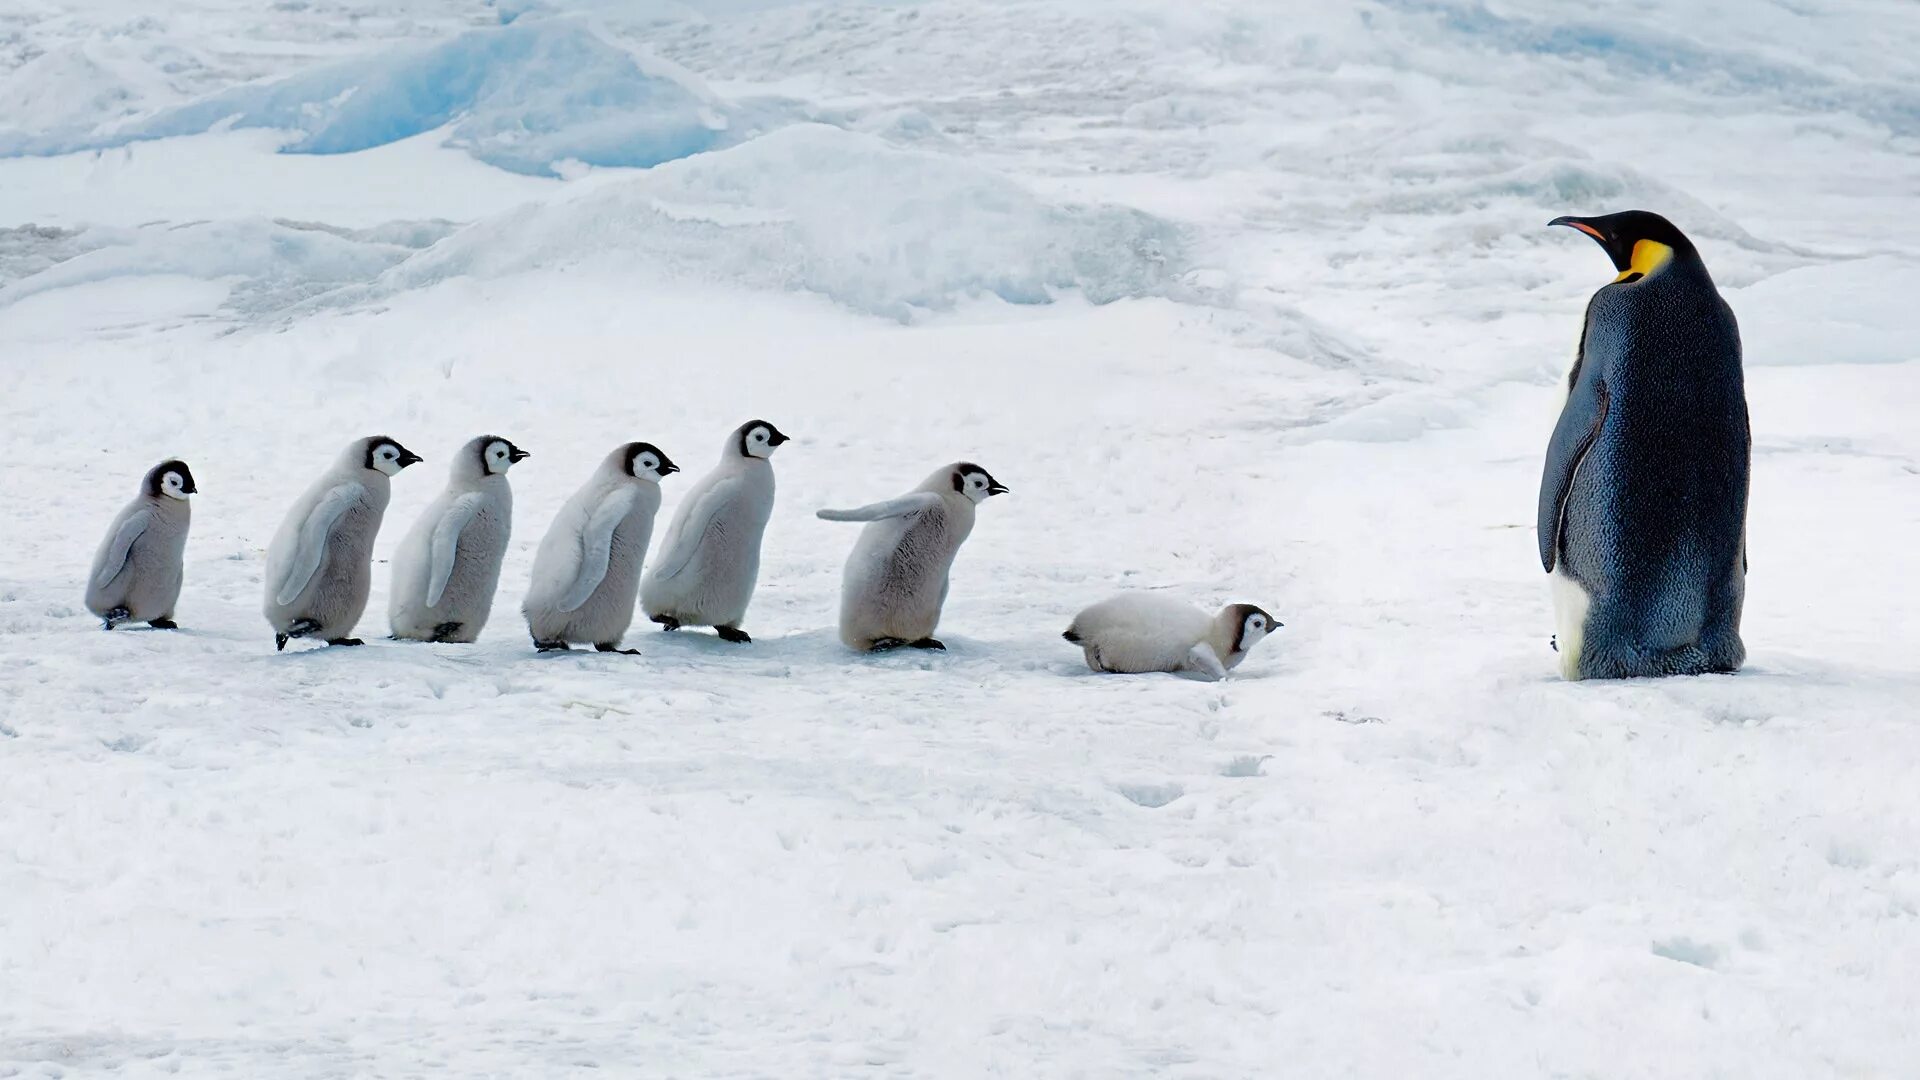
1250 625
646 461
497 455
975 482
758 439
171 479
1638 241
382 454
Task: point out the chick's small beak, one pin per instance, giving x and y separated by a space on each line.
995 487
667 468
516 455
775 438
408 457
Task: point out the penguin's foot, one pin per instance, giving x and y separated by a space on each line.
550 646
667 622
733 634
927 643
445 630
614 647
1554 643
299 629
345 641
163 624
114 618
886 644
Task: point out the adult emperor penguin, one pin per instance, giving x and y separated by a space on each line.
447 568
896 578
711 558
588 567
1140 632
1643 501
320 564
137 572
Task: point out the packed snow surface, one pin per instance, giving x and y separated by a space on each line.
1244 302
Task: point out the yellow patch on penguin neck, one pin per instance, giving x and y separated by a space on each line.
1648 256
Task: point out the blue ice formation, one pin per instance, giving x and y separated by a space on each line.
522 97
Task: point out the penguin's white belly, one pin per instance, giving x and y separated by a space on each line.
1570 604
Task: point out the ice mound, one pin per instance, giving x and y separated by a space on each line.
73 87
522 97
269 265
879 229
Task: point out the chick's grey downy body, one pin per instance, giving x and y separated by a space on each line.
1135 633
448 566
138 570
709 563
896 578
1643 499
320 564
587 572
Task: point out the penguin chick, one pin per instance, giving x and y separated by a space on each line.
710 560
1138 632
1642 514
320 564
588 568
137 572
447 568
896 578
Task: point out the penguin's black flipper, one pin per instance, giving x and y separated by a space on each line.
1580 422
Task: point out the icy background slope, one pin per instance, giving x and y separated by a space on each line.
1246 301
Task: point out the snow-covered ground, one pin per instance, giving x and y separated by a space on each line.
1244 301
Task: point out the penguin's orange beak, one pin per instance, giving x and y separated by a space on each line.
1578 224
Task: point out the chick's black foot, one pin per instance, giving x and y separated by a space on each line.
614 647
445 631
733 634
163 624
927 643
886 644
114 618
300 628
667 622
345 641
550 646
